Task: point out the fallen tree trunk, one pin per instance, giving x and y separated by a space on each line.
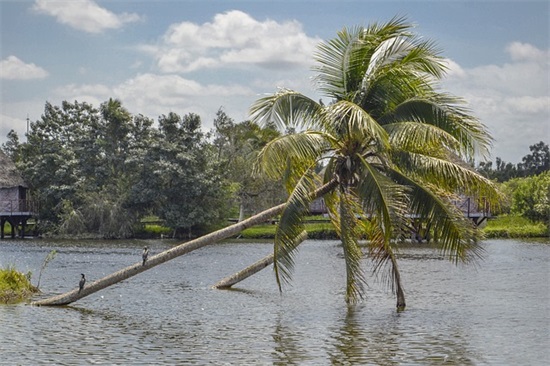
153 261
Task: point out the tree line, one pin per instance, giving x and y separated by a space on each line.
535 163
525 186
100 170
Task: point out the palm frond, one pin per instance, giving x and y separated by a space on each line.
286 108
449 175
420 137
344 60
291 227
454 234
381 197
405 54
353 123
468 131
382 255
289 156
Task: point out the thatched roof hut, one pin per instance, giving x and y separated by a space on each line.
9 176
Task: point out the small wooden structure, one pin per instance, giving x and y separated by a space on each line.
15 206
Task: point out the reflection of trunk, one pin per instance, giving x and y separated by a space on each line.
172 253
252 269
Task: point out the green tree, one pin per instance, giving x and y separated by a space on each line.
12 147
180 180
55 156
530 196
238 145
394 144
538 161
80 163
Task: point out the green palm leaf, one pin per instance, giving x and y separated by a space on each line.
421 138
291 227
472 135
287 108
290 156
448 175
454 234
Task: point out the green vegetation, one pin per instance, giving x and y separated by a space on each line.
15 286
315 230
96 172
514 226
526 211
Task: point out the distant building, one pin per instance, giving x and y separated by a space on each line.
15 205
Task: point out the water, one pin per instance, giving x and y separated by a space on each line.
497 313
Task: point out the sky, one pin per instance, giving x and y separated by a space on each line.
196 56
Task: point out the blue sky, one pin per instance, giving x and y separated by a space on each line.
161 56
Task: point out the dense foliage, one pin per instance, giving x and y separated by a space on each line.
99 171
14 285
529 197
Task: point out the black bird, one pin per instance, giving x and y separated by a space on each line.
144 255
81 283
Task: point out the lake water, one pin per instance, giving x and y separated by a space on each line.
496 313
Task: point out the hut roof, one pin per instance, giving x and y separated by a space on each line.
9 176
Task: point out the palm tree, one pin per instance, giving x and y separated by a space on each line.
396 146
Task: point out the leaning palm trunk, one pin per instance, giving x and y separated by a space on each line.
245 273
252 269
125 273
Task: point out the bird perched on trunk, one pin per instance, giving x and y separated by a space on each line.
144 255
81 283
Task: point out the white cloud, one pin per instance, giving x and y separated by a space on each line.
153 95
9 123
526 52
512 100
454 69
234 39
13 68
84 15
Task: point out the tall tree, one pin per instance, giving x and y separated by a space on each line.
238 145
180 179
538 161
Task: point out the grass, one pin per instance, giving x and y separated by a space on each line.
505 226
511 226
15 286
315 230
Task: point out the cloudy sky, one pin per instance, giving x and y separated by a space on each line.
161 56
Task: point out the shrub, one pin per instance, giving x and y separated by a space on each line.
15 286
514 226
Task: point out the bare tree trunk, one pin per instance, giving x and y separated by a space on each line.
252 269
153 261
241 211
